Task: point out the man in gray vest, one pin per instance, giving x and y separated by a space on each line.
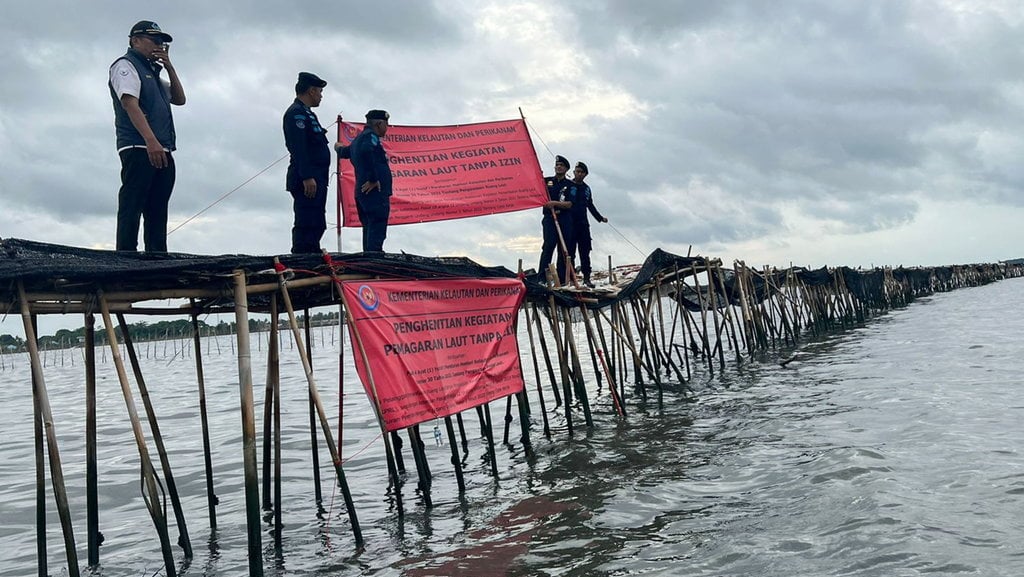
145 135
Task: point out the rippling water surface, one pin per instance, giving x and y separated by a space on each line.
890 449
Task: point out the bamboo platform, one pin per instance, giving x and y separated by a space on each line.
647 329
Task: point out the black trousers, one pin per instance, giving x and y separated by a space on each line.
310 217
583 244
373 210
145 192
550 246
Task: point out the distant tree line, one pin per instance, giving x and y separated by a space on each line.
143 331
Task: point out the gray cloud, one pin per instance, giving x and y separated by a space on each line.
733 125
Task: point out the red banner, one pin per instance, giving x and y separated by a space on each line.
437 347
449 172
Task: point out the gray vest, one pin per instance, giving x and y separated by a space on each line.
154 101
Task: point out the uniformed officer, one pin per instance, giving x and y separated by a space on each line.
309 165
580 223
561 194
373 180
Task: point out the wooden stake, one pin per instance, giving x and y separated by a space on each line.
211 495
252 483
95 538
324 425
151 494
314 447
179 514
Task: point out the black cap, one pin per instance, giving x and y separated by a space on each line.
307 79
149 28
377 115
559 159
583 167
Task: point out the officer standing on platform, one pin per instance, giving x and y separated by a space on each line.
309 165
561 195
145 135
373 180
580 223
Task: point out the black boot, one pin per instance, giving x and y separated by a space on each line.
586 280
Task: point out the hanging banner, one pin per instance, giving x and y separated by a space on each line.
435 347
449 172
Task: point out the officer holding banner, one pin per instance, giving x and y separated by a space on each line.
561 195
373 180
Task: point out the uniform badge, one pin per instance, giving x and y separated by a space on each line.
300 124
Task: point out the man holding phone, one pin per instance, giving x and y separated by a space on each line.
145 135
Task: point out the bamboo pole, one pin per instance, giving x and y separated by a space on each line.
252 485
536 372
422 468
154 427
273 376
713 301
95 538
547 356
489 435
204 419
562 362
375 403
628 342
278 502
40 459
324 425
336 284
151 493
640 321
508 420
314 447
456 461
577 380
611 387
731 333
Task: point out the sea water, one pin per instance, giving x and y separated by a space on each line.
894 448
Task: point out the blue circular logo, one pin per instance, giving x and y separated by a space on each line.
368 298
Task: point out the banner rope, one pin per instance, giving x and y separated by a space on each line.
642 253
537 134
236 189
334 491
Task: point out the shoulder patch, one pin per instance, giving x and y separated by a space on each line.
123 72
374 140
300 124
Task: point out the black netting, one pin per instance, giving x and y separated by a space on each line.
49 268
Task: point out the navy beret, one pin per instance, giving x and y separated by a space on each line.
377 115
310 79
559 159
582 167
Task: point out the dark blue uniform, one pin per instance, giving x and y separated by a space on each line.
310 158
370 162
581 226
564 190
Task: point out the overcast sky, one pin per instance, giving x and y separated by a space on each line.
805 132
